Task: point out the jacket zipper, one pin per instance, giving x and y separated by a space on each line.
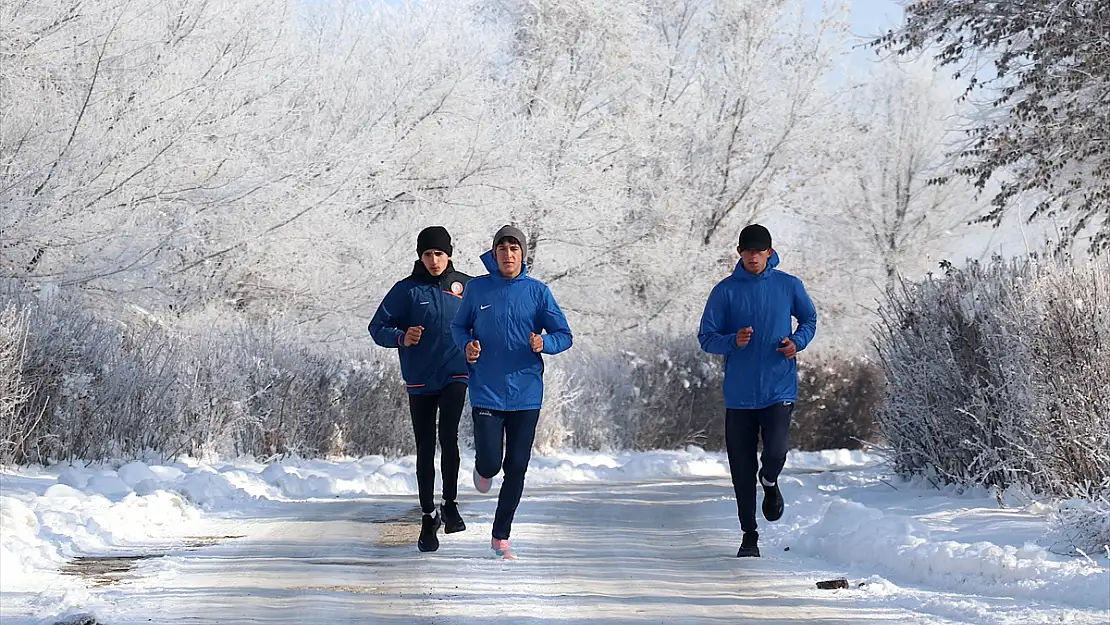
507 327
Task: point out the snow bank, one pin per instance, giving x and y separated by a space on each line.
47 518
38 533
571 467
971 546
223 485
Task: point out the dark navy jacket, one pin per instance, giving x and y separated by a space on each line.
502 314
424 300
757 376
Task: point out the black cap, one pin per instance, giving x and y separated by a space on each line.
433 238
755 237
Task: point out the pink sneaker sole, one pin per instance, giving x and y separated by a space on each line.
501 548
482 484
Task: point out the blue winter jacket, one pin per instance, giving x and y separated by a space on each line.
501 314
757 376
429 301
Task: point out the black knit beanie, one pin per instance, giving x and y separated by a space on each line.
433 238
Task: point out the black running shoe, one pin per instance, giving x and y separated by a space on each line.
452 520
749 548
428 528
773 504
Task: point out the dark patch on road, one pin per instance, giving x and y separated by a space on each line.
199 542
105 570
80 619
412 515
398 530
113 569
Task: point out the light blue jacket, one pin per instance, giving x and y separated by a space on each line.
501 314
756 375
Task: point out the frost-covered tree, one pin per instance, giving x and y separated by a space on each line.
1040 70
257 154
653 132
132 130
400 113
894 185
278 158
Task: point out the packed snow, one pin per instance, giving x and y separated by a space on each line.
939 553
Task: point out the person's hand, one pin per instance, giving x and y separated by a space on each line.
788 349
473 350
537 343
743 336
413 334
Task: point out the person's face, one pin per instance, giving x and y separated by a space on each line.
435 261
508 254
755 261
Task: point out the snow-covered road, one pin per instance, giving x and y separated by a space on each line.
630 539
640 553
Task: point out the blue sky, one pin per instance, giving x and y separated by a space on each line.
871 17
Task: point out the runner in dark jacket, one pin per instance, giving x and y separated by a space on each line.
507 321
415 318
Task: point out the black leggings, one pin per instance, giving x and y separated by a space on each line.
743 431
449 403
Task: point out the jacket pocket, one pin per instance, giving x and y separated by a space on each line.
781 378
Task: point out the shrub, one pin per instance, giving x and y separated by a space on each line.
97 389
665 393
14 392
836 404
997 375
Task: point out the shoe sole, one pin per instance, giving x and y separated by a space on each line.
454 529
435 547
478 487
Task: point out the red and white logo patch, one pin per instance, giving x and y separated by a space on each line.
457 288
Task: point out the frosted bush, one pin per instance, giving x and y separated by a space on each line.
1083 525
13 389
997 375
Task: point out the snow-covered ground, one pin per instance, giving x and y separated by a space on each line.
630 538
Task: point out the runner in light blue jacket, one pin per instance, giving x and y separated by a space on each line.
749 320
506 322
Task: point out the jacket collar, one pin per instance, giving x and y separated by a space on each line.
742 274
491 266
421 274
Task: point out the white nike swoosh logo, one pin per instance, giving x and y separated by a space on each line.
424 303
484 307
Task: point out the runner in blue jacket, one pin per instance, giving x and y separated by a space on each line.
415 318
501 327
748 320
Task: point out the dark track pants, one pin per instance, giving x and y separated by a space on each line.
743 429
503 440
